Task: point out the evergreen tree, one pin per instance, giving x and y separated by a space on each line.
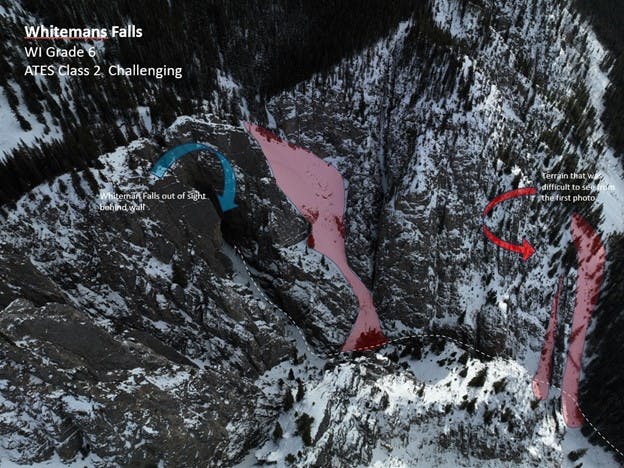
288 400
277 432
300 390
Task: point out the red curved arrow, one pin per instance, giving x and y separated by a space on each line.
526 249
508 195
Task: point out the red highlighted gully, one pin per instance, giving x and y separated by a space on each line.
541 384
591 259
317 190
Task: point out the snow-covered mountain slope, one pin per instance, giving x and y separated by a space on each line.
83 116
176 335
431 124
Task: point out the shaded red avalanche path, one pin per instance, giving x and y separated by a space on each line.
591 259
591 256
541 380
317 190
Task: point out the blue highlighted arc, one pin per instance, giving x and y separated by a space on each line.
226 200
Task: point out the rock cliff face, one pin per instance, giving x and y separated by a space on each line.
432 123
182 336
156 303
428 128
